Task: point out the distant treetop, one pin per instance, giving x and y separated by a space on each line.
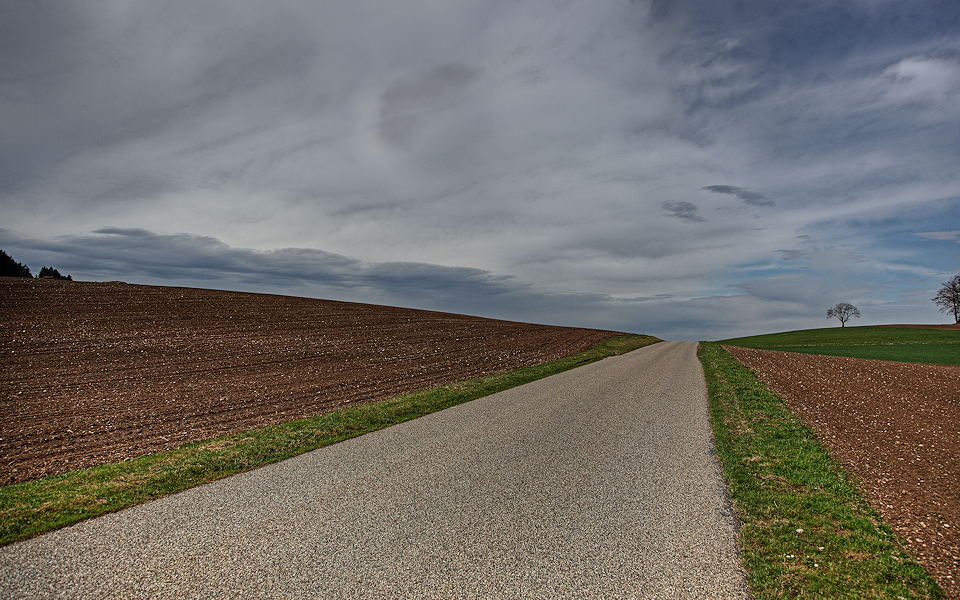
55 274
11 268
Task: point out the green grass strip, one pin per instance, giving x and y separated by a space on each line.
31 508
805 530
904 344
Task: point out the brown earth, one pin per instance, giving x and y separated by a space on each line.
896 427
92 373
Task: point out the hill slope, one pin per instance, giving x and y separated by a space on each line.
937 344
97 372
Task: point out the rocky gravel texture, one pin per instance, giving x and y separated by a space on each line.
92 373
896 427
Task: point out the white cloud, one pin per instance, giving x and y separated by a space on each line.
953 236
933 81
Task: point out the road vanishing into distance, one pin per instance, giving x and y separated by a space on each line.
600 482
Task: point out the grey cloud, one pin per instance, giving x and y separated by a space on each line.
811 293
755 198
36 36
137 252
407 103
659 10
682 210
75 76
258 61
723 189
125 187
620 241
656 298
129 232
748 196
792 254
792 288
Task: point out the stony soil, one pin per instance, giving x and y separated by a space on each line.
893 425
92 373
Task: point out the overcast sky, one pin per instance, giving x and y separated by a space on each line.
691 169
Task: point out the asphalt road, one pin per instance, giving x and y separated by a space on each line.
600 482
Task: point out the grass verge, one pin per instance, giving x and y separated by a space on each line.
904 344
805 531
31 508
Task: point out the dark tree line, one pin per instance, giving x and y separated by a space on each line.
11 268
51 272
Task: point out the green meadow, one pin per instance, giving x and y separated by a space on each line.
903 344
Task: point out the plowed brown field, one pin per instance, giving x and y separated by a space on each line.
896 427
92 373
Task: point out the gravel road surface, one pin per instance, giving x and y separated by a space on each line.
600 482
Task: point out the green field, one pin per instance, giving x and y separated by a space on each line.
904 344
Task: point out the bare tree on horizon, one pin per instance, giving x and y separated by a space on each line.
948 297
843 311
